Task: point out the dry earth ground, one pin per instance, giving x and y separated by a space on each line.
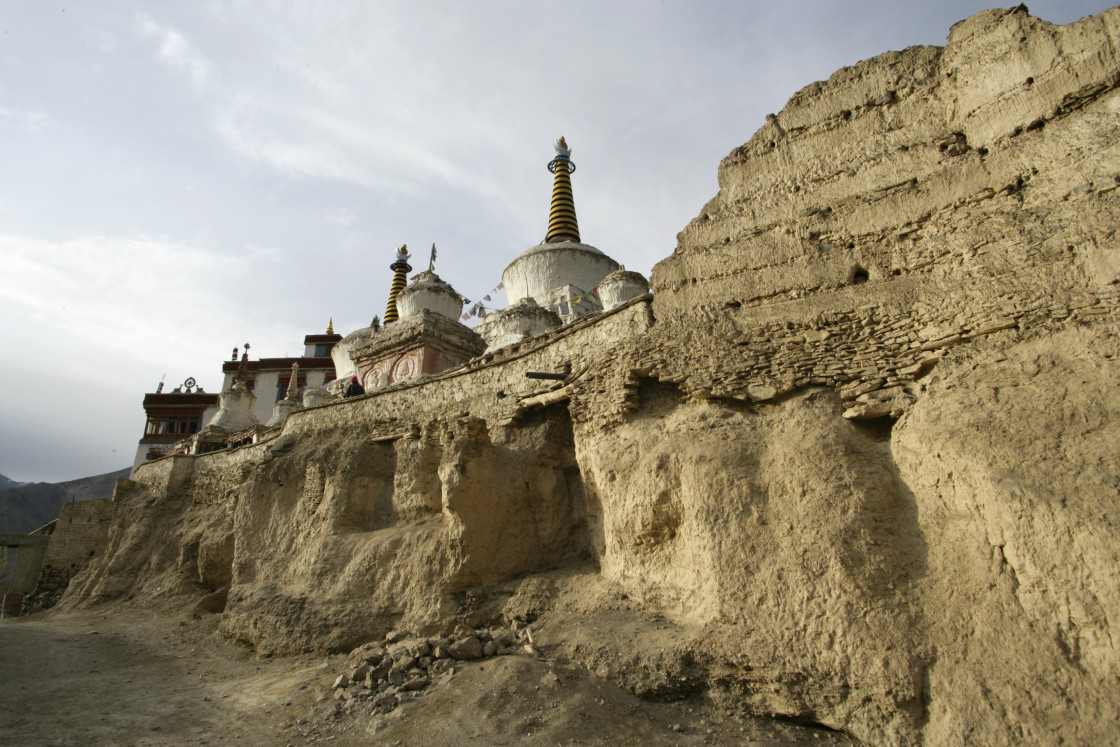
133 677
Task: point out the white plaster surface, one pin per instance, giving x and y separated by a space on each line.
344 367
539 270
428 291
522 320
280 411
236 410
314 396
621 286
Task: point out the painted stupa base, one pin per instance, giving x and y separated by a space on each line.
425 342
519 322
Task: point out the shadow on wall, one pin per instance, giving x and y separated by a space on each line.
709 510
518 499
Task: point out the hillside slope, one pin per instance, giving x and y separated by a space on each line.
7 482
26 508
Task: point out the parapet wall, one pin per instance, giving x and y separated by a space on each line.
494 386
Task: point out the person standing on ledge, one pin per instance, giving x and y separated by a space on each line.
354 389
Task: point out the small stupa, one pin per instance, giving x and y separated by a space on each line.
290 402
427 337
235 405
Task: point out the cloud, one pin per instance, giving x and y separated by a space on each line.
255 131
175 50
24 120
341 217
262 254
103 40
133 293
100 318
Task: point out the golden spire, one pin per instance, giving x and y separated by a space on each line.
562 225
330 326
400 267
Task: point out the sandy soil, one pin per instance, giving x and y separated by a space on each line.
132 677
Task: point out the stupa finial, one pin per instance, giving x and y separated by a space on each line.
293 383
400 268
562 224
243 368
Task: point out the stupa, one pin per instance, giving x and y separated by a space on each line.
554 282
426 336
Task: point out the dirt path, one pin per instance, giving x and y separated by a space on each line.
133 678
129 678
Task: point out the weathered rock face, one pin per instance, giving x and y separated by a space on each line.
956 183
783 531
80 534
1012 458
855 460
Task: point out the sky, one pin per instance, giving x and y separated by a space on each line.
180 177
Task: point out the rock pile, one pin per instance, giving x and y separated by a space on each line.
403 665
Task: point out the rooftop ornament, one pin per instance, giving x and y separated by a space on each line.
242 376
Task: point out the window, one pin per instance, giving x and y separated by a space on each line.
173 425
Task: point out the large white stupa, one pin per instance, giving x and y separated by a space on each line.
561 273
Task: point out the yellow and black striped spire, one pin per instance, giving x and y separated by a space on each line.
399 268
562 225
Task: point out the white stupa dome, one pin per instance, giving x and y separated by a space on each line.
538 271
428 291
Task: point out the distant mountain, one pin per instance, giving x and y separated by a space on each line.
27 507
7 482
